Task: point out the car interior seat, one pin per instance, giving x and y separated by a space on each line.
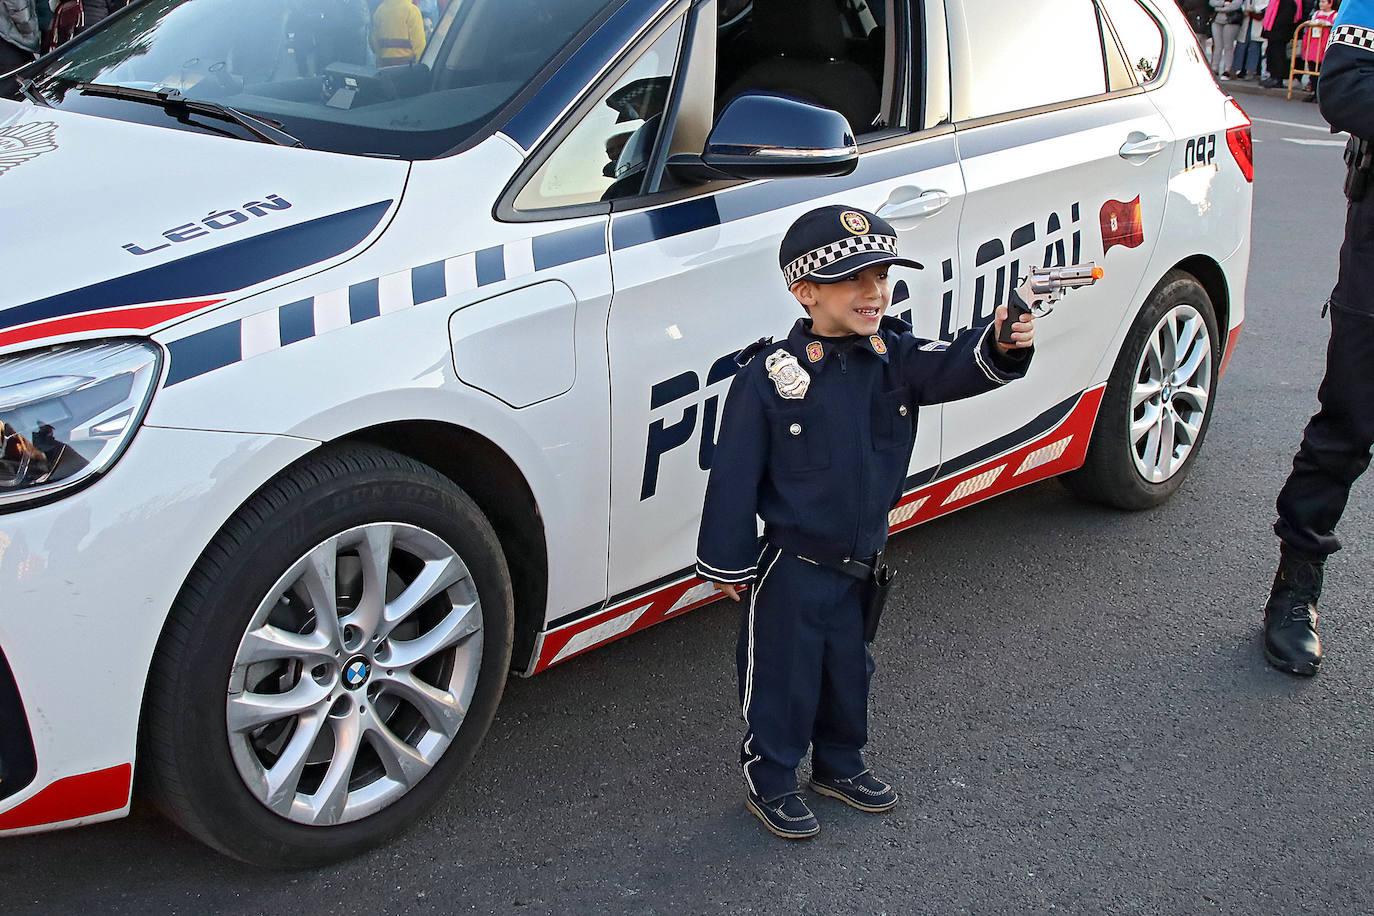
802 53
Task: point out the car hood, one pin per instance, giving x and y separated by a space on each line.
111 226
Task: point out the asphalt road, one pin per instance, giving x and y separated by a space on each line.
1094 731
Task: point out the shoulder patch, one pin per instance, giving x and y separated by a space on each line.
743 357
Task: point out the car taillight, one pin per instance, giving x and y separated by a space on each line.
1238 138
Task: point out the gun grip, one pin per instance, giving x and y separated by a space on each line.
1016 310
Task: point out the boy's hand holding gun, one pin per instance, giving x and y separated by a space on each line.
1038 292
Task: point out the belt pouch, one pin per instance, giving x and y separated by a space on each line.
879 584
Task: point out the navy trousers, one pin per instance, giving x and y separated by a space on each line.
1336 445
804 674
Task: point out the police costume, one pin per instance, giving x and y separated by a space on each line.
815 439
1336 445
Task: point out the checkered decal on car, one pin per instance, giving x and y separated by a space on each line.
281 326
820 258
1353 35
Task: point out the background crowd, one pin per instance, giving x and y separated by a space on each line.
1255 39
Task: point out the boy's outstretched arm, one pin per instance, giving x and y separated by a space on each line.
970 364
728 542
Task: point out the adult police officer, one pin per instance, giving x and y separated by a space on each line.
1336 445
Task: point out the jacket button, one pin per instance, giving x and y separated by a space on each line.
902 410
795 429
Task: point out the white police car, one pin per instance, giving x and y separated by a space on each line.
334 392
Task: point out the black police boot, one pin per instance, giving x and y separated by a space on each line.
786 816
1290 616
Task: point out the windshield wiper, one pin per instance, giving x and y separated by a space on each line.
30 92
171 99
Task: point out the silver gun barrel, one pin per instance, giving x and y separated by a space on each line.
1044 280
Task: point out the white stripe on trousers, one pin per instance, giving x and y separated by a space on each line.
749 671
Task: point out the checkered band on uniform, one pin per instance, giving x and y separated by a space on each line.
820 258
1353 35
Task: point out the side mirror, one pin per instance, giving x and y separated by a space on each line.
760 135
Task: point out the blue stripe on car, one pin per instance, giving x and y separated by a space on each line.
296 322
491 266
363 301
427 283
235 266
204 352
568 246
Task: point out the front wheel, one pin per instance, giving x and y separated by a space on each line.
1158 403
332 662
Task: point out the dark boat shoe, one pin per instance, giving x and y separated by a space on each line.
865 791
787 815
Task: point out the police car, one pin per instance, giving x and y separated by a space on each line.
336 386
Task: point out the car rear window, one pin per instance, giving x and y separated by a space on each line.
1029 54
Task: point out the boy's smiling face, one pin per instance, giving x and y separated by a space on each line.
854 305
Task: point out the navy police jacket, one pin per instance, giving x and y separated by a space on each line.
1345 89
1345 92
824 466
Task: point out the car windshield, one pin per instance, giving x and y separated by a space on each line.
402 78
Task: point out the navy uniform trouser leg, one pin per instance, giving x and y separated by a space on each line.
1336 445
804 674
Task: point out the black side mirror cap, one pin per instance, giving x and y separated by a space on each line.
761 135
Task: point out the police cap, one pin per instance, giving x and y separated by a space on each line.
830 243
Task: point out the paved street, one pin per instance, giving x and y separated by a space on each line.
1094 731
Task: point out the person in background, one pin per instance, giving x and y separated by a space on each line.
1249 45
19 38
95 10
398 33
1200 14
1225 27
1314 41
1280 22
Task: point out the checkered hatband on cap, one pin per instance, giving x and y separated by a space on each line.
822 257
1353 35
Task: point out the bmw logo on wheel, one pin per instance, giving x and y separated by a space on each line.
355 672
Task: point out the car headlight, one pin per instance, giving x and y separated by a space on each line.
68 412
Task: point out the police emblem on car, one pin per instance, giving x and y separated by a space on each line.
23 142
788 376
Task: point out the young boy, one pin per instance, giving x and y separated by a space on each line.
815 438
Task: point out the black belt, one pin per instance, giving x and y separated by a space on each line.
819 553
859 569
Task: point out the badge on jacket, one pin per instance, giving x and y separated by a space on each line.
788 376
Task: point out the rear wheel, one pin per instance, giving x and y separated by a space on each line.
1158 403
332 662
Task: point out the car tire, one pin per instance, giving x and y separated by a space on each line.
365 721
1158 403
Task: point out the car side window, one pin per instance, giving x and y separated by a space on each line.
1140 35
833 53
1031 54
605 156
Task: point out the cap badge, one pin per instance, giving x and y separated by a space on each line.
855 222
814 351
878 345
788 376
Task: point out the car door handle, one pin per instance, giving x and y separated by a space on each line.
1141 146
927 203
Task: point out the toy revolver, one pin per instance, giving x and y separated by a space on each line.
1045 286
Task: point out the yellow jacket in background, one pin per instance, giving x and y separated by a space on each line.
398 33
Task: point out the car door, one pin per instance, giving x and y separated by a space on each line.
1065 167
696 278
